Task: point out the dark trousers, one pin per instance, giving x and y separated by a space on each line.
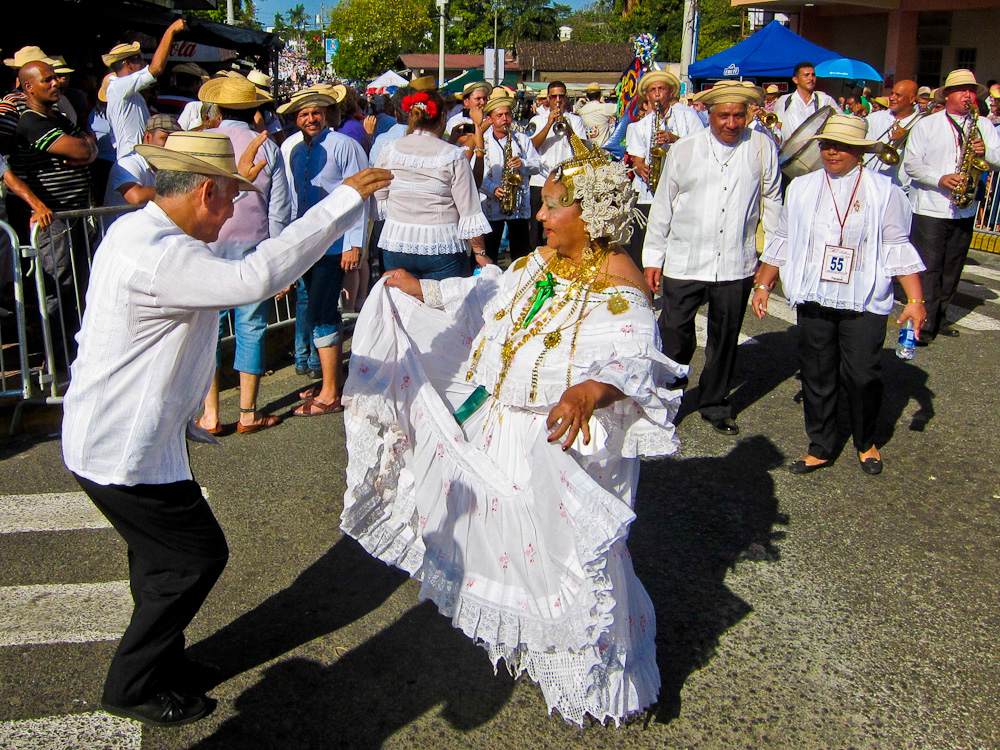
176 552
535 230
517 238
840 347
638 237
943 245
727 304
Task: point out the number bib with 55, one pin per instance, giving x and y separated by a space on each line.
837 264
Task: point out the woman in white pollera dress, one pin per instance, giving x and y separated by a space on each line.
494 429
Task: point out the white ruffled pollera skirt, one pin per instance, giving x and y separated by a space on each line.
520 543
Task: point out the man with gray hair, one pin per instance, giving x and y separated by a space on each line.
701 240
147 354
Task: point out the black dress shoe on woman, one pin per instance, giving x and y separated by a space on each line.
724 426
799 466
871 465
168 708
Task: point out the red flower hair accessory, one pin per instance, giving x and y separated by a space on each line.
421 102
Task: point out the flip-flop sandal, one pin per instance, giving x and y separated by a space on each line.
314 408
263 424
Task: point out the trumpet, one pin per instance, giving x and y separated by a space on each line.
770 121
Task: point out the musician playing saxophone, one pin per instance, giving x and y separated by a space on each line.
551 140
892 126
524 161
666 122
942 231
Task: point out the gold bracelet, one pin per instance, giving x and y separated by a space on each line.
914 301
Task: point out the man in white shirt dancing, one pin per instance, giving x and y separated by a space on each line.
701 240
146 358
942 231
795 108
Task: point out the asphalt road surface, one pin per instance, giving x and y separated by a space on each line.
834 610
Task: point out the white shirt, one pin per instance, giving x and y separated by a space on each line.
877 226
881 125
555 148
432 206
127 110
932 151
599 119
493 168
792 111
190 116
679 120
147 344
132 168
703 221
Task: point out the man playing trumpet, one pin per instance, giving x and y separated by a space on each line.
892 126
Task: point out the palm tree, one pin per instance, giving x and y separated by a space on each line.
297 18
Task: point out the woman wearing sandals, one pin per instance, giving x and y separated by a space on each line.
843 236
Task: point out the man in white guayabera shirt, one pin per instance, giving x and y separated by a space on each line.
701 240
146 359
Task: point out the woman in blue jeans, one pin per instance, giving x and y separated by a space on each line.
432 208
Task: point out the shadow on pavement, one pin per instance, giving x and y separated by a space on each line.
904 381
338 589
697 518
417 663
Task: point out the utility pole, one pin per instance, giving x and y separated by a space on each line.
441 4
688 43
230 13
496 50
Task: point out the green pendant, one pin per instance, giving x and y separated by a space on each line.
543 290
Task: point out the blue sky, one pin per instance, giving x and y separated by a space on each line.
267 8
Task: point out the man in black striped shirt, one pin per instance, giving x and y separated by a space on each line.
52 158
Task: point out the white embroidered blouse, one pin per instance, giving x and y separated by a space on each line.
432 206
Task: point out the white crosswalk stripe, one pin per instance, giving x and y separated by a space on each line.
52 613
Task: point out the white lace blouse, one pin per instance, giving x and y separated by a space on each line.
432 206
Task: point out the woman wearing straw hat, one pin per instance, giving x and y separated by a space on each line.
843 236
146 358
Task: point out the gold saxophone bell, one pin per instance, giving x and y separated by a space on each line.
889 155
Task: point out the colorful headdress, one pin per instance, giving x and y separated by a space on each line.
604 189
420 102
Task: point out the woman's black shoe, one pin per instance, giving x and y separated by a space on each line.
799 466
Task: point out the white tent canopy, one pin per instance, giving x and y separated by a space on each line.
387 79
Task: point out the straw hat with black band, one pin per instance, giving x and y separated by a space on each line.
199 152
849 130
593 88
260 80
305 99
232 92
468 88
190 69
653 76
959 78
424 83
496 103
59 66
121 52
730 92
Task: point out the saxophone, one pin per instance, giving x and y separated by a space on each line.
656 151
970 166
510 179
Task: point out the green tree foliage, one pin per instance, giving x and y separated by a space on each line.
718 23
470 23
297 19
373 33
597 22
244 14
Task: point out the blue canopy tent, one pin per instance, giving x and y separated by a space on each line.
771 52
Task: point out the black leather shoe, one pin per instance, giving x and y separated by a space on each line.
799 466
168 708
308 372
948 332
871 465
725 425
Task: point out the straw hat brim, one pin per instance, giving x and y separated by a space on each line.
310 99
178 161
492 104
729 95
124 54
874 147
652 76
211 93
981 90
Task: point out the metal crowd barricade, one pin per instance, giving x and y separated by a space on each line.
987 224
15 375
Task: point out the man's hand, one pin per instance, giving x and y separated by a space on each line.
951 181
283 293
42 216
400 279
914 311
664 136
498 193
572 413
367 181
177 26
515 163
370 124
349 259
642 170
653 276
476 115
978 147
246 164
759 302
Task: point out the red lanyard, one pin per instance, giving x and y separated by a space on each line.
836 208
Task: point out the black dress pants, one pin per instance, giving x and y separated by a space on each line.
943 245
638 238
176 552
727 305
840 347
517 238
